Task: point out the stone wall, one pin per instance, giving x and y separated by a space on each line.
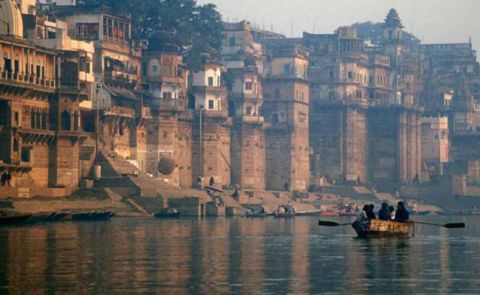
248 156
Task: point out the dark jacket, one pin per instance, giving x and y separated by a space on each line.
402 214
383 214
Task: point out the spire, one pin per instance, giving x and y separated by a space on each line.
393 20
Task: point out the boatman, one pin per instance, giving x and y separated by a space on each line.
402 214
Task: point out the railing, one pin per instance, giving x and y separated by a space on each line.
20 77
169 104
120 111
253 119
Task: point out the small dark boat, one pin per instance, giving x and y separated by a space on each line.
92 216
283 214
167 213
251 214
57 216
39 217
13 219
382 228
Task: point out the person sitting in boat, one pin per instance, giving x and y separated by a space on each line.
391 212
401 214
362 223
383 214
369 211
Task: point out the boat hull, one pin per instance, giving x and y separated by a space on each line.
383 228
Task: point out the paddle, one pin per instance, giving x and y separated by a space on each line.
447 225
331 223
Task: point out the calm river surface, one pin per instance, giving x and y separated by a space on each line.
238 255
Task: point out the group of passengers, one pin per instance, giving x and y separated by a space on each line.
386 213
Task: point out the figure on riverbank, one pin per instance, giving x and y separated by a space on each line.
212 181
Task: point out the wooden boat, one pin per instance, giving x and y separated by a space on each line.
40 217
13 219
92 216
307 213
167 213
328 213
255 214
383 228
283 214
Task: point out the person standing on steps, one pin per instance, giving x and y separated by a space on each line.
212 181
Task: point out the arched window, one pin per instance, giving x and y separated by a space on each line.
66 120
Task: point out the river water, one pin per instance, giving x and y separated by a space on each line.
235 256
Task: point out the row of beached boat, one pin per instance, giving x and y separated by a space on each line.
55 217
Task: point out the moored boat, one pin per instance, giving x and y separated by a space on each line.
382 228
167 213
13 219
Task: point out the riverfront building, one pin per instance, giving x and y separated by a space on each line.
265 112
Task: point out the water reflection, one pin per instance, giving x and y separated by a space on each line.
245 256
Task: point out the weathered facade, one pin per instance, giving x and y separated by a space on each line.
364 115
211 126
286 109
169 134
244 60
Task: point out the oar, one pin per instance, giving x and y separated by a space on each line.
331 223
447 225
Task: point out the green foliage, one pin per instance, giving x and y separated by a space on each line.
196 27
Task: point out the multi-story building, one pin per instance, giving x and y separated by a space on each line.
44 83
244 60
435 143
340 77
169 135
286 110
211 126
364 114
117 71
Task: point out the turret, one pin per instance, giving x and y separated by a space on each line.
392 28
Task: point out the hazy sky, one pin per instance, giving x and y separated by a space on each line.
433 21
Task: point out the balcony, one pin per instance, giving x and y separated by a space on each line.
19 78
164 104
252 119
120 111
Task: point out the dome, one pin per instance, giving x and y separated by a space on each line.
162 41
11 17
166 166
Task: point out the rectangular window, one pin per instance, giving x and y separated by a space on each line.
286 69
248 85
210 104
210 81
167 95
26 154
87 31
231 41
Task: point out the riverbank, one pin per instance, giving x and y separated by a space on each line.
195 202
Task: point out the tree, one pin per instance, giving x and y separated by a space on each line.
194 27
